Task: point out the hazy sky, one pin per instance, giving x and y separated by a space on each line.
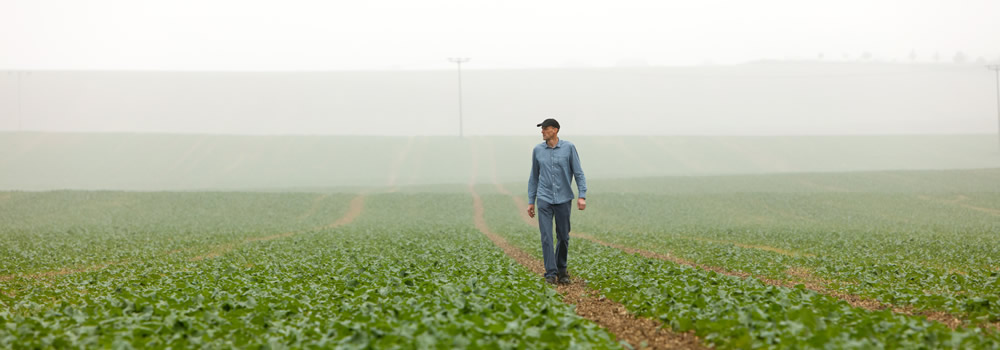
407 34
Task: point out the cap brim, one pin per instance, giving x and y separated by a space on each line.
539 124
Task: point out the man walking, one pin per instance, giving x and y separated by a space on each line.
554 164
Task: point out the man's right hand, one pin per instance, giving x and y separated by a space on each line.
531 211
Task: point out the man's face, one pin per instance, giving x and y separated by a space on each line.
549 132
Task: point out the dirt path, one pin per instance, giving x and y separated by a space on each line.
355 209
604 312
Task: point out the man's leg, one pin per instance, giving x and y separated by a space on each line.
545 227
561 213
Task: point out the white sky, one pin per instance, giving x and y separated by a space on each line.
408 34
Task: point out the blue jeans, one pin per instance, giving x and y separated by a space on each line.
555 263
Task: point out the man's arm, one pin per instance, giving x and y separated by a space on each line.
581 181
532 185
533 179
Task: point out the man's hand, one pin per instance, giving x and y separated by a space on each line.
581 203
531 211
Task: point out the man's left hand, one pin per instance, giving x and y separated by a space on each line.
581 203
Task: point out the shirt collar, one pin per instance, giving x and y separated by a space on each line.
546 143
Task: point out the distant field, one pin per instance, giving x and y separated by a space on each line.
150 162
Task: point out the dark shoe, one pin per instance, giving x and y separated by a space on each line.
551 279
564 278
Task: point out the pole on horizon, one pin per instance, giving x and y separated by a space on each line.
996 70
20 117
459 61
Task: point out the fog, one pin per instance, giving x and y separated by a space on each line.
774 67
320 95
805 98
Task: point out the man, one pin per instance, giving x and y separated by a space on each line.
554 164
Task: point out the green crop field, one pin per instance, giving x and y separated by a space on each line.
686 242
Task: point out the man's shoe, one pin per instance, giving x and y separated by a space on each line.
564 278
551 279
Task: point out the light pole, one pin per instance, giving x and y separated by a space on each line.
459 61
20 115
996 70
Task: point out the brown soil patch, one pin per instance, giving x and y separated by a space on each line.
356 207
606 313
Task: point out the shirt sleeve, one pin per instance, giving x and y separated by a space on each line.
533 178
581 181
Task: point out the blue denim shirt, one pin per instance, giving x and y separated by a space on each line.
552 171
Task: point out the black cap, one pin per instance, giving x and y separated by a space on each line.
549 122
